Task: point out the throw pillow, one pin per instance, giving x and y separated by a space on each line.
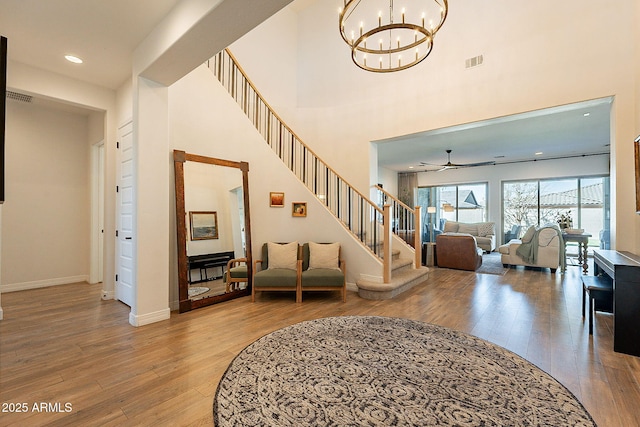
529 234
450 227
468 229
283 255
486 229
324 255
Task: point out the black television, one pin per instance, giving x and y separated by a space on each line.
3 108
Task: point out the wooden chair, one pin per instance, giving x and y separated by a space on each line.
236 273
323 279
600 290
266 278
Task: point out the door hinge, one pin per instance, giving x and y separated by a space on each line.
116 277
117 188
117 144
116 233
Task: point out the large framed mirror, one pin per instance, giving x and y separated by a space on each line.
213 227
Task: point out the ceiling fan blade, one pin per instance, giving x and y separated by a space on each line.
478 164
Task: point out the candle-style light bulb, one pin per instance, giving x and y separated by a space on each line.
380 19
422 19
361 26
403 15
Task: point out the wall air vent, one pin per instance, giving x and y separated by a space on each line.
19 96
474 62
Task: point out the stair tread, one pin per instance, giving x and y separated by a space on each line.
397 280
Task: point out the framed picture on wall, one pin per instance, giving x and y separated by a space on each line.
204 225
636 147
299 209
276 199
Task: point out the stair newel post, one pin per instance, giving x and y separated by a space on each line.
386 244
417 221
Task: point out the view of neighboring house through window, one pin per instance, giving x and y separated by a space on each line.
582 201
464 203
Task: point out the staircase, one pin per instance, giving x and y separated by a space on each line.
369 223
403 278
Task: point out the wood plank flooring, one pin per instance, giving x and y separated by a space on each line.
63 345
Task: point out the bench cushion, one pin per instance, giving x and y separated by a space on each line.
239 272
318 277
275 277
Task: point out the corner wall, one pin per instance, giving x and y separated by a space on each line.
47 208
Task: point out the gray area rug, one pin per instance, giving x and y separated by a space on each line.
492 264
197 290
380 371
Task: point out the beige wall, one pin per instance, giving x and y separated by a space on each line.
46 215
536 55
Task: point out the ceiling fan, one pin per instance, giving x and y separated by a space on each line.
450 165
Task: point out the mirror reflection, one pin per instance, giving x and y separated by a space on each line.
212 220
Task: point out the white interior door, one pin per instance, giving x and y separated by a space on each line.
125 250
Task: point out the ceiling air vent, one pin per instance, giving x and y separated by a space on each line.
19 96
474 62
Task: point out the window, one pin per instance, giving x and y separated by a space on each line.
538 202
465 203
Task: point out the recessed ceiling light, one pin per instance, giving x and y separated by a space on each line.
73 59
410 167
586 114
538 153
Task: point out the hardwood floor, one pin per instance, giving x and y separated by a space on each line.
64 345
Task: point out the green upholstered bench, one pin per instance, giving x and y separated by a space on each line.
323 279
275 278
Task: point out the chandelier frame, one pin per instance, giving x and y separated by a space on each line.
358 44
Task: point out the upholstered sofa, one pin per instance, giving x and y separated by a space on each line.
484 232
459 251
549 249
296 268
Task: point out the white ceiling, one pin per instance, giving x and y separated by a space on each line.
105 34
569 130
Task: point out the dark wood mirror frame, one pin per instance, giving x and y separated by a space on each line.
179 158
636 147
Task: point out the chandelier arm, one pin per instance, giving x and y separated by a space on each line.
428 37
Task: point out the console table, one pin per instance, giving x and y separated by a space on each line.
583 243
624 268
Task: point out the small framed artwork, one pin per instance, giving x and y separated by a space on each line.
276 199
204 225
299 209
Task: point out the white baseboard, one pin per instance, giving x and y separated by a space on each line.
13 287
145 319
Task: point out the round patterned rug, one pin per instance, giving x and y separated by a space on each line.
380 371
197 290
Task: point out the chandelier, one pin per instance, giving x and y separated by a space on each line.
384 38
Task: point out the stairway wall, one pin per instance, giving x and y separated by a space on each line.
205 120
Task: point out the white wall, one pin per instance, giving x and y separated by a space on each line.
205 120
46 215
535 56
209 188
